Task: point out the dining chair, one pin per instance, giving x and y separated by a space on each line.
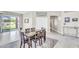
24 39
27 30
32 29
43 34
37 38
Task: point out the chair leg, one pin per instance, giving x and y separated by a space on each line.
35 42
41 41
21 44
44 38
28 45
24 45
31 43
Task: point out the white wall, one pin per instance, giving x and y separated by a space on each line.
72 15
27 25
37 21
31 16
45 21
61 15
42 21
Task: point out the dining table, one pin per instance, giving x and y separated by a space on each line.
30 35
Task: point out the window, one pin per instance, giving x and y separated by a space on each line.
7 23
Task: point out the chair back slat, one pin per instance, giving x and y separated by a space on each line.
27 30
32 29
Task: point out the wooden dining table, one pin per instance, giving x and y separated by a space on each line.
29 35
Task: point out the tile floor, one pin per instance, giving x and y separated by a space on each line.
12 40
49 43
9 39
64 41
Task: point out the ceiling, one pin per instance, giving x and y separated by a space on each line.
22 12
26 12
69 11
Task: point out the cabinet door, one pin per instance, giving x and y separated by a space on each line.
70 31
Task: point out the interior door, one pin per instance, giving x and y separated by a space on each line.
53 23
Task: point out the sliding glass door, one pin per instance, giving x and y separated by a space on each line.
12 24
7 23
0 24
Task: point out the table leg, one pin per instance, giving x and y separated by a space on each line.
21 44
29 43
35 41
44 38
24 45
41 41
35 44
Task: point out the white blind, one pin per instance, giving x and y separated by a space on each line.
41 22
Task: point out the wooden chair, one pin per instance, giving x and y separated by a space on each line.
27 30
24 40
37 38
43 34
32 29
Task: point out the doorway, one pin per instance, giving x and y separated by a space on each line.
53 23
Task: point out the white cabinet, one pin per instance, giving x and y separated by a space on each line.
71 31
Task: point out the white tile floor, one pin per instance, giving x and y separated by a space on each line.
49 43
63 41
7 39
